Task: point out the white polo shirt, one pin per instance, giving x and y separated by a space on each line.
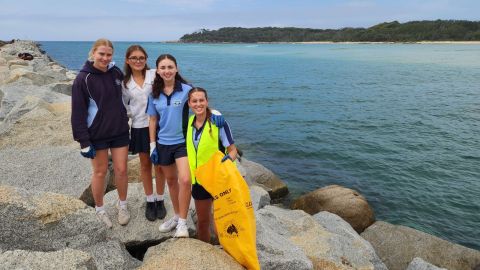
135 98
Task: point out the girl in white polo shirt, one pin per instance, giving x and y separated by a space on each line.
137 86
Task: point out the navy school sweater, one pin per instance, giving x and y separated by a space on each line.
98 113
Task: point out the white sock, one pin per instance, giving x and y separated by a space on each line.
176 218
159 197
99 209
182 221
150 198
123 204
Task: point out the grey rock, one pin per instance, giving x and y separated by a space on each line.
345 202
325 249
21 97
257 174
62 87
398 245
56 169
12 67
17 62
20 78
259 197
348 238
46 221
187 254
62 259
420 264
34 77
112 255
242 171
275 251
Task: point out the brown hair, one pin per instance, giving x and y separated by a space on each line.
98 43
126 67
209 111
158 83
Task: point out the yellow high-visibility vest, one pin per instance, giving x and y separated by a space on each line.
207 146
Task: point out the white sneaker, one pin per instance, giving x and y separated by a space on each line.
123 214
182 231
168 225
103 217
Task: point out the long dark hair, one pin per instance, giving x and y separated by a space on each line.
209 111
158 83
126 67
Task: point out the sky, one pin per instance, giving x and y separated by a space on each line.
168 20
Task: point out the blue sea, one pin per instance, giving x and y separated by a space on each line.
400 123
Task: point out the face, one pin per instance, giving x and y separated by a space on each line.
102 56
167 70
136 60
198 103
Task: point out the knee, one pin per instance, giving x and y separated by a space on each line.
172 182
146 167
185 181
120 171
100 173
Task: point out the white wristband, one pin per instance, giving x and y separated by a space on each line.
153 145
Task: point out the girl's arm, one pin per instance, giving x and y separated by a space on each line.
152 128
227 140
126 101
232 151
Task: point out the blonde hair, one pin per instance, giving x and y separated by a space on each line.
98 43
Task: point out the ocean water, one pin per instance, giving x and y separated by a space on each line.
400 123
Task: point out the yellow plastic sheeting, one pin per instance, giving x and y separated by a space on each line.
232 209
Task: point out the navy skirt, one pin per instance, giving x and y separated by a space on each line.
139 141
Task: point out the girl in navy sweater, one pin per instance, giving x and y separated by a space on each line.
99 123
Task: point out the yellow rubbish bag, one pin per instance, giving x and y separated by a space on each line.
232 209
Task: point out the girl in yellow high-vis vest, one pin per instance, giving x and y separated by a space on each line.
204 139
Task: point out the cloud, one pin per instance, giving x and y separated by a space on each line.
186 4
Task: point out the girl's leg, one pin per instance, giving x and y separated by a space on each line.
170 173
160 187
204 209
185 186
146 173
119 158
99 166
159 180
146 177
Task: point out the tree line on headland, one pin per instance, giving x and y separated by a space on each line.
439 30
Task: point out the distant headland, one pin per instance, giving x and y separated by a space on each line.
414 31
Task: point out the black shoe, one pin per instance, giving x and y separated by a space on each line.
150 211
161 211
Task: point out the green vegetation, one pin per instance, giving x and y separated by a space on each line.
439 30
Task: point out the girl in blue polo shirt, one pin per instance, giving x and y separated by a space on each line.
168 111
136 87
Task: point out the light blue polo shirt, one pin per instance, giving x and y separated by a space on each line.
172 114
